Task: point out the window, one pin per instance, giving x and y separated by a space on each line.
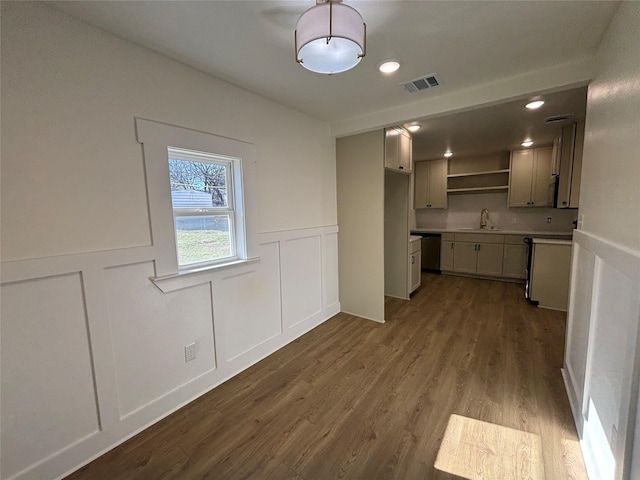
202 196
201 190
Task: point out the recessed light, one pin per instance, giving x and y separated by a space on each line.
535 104
389 66
413 128
527 143
448 153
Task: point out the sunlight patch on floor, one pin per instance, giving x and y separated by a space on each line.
477 450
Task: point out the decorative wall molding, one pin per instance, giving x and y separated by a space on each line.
602 359
135 335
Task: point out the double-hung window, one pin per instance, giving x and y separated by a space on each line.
201 190
203 200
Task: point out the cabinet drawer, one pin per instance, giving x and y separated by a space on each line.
448 237
415 246
479 238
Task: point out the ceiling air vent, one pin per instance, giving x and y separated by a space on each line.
422 83
558 118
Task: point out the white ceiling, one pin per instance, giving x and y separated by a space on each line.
466 43
500 127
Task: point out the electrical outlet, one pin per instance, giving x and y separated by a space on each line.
548 219
190 352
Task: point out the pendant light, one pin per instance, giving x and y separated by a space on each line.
330 37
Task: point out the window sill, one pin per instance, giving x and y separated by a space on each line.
198 276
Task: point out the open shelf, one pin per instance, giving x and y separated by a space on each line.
494 188
472 174
486 173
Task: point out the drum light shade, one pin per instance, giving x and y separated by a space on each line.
330 38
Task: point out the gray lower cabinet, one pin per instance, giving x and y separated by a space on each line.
415 264
514 263
489 259
446 252
479 258
486 254
465 257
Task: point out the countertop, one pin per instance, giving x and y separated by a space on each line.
529 233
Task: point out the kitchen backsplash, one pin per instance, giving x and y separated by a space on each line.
464 212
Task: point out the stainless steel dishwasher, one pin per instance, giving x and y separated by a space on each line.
430 252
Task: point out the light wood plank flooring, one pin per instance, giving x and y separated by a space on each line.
359 400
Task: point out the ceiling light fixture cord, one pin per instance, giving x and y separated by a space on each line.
330 21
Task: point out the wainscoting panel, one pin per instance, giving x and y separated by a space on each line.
48 392
149 331
602 362
301 279
247 307
330 264
578 331
93 349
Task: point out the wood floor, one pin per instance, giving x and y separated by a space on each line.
356 399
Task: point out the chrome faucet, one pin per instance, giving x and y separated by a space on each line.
484 216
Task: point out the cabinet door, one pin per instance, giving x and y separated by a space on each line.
446 255
421 179
464 257
437 184
415 270
576 172
567 151
543 165
431 184
404 151
520 176
514 261
392 148
490 259
555 155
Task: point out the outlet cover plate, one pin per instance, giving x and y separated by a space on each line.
190 352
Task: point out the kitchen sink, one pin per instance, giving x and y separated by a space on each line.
471 229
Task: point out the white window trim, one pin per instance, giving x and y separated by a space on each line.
156 138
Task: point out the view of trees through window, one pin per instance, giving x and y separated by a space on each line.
199 176
203 216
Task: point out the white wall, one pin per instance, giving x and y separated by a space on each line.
92 351
360 177
611 168
464 212
602 359
69 96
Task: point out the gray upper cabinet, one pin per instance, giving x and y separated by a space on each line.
529 177
569 166
431 184
398 148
